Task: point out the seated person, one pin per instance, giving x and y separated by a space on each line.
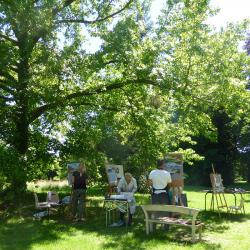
128 184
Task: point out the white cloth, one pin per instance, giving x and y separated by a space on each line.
130 187
160 179
125 188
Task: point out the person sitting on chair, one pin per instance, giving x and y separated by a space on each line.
128 184
79 186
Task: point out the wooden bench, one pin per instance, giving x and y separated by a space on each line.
150 212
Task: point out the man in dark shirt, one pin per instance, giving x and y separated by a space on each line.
79 183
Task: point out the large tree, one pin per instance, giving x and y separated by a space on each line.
45 71
36 75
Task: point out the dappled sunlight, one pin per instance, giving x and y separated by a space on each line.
59 232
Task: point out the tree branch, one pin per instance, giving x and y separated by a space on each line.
6 98
7 76
9 39
97 19
6 88
108 108
60 8
63 101
43 31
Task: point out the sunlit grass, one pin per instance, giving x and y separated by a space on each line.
19 231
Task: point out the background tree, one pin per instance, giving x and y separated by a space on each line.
38 74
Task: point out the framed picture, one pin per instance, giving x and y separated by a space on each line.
114 172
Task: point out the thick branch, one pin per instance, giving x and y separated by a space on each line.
97 20
63 101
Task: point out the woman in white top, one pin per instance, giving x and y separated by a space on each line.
128 185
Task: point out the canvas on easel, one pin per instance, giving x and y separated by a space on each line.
174 165
114 173
72 167
216 183
218 196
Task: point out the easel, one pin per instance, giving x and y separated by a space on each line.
218 195
114 174
174 165
177 188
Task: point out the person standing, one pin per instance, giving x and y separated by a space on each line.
79 186
159 180
128 185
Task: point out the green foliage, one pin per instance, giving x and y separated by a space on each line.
12 169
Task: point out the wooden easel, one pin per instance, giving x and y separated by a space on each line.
218 194
174 165
177 188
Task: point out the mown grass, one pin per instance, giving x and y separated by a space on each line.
19 231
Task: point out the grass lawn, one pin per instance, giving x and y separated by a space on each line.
19 231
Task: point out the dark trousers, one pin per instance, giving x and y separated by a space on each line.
122 215
161 198
78 202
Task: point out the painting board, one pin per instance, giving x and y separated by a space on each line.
216 182
72 167
114 173
174 165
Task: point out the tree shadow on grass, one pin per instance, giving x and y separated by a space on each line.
136 238
22 232
181 235
18 234
19 231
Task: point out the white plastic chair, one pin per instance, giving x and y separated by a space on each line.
238 208
53 198
41 205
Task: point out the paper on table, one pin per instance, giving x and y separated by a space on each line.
129 196
118 196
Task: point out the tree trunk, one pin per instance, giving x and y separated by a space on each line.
21 120
248 174
21 139
248 167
